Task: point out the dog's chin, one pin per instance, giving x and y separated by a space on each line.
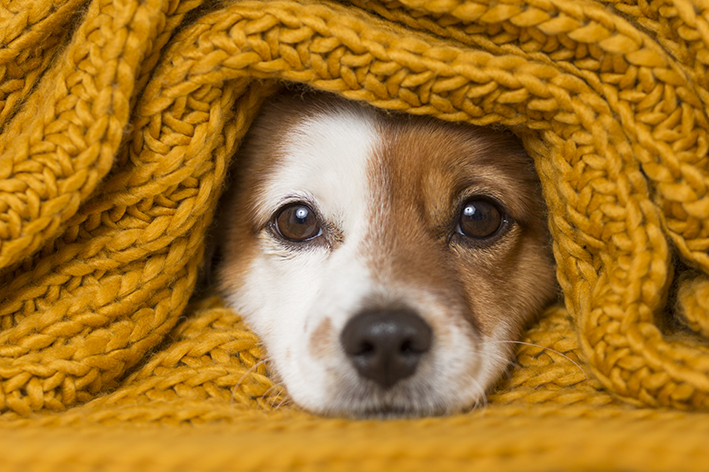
376 410
393 413
368 401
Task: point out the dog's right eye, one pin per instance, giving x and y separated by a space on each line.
297 222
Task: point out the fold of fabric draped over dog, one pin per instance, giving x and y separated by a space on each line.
119 120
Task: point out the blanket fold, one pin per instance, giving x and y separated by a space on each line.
119 120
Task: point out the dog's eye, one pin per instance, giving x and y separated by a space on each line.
480 219
297 222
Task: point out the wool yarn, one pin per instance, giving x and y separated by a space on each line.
119 120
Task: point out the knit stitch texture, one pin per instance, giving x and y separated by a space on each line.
119 120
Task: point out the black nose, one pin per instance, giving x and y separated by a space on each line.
386 345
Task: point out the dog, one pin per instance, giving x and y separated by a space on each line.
387 261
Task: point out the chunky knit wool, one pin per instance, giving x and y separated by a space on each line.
119 120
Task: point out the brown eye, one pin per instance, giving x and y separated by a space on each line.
479 219
297 222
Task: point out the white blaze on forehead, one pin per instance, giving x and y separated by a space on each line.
325 161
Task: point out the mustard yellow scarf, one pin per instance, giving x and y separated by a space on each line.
120 118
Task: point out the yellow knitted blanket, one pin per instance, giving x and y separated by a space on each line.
119 120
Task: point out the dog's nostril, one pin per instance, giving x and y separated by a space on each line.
365 348
386 345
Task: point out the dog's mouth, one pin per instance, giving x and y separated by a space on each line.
365 399
386 411
391 412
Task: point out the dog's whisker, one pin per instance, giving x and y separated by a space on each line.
284 401
481 401
239 383
243 377
268 393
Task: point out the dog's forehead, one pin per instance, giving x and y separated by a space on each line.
343 157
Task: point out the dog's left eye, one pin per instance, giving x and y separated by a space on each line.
480 219
297 222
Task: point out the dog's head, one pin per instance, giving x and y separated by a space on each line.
384 260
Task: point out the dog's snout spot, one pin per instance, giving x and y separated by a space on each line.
321 339
386 345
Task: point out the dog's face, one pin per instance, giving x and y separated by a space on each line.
384 260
